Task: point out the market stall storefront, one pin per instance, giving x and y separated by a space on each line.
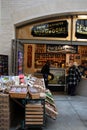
58 40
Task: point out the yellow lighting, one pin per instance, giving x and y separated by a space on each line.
82 16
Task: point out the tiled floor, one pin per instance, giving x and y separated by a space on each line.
72 113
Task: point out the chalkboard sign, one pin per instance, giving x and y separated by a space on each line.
58 29
81 29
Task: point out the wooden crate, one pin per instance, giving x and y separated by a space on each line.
34 114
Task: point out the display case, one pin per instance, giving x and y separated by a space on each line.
59 77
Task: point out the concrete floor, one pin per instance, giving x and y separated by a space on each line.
72 113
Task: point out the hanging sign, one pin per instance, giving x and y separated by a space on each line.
62 48
58 29
81 29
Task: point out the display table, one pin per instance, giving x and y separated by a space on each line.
32 101
82 87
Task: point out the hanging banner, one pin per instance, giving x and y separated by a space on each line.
20 62
58 29
29 56
81 29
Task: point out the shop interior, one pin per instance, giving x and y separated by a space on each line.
32 57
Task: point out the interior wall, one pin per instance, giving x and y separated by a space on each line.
17 11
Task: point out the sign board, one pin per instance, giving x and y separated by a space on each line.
81 29
62 48
58 29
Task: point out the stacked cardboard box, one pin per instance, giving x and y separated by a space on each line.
4 112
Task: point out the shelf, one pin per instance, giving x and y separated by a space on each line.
57 59
41 56
35 112
57 85
50 106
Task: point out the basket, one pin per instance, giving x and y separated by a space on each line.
16 94
34 95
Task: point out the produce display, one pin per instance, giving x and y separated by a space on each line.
31 87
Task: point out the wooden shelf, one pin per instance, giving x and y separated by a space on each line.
35 112
41 58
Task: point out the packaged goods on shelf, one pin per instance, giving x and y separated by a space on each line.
51 112
50 105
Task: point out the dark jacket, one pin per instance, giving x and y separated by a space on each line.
45 69
74 76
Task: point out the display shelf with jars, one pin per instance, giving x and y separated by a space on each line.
83 52
58 60
40 48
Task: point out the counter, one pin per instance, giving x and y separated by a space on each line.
82 87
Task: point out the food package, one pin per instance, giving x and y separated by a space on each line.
50 105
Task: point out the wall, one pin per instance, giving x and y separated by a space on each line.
16 11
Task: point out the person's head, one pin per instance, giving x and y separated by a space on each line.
75 63
48 62
71 63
